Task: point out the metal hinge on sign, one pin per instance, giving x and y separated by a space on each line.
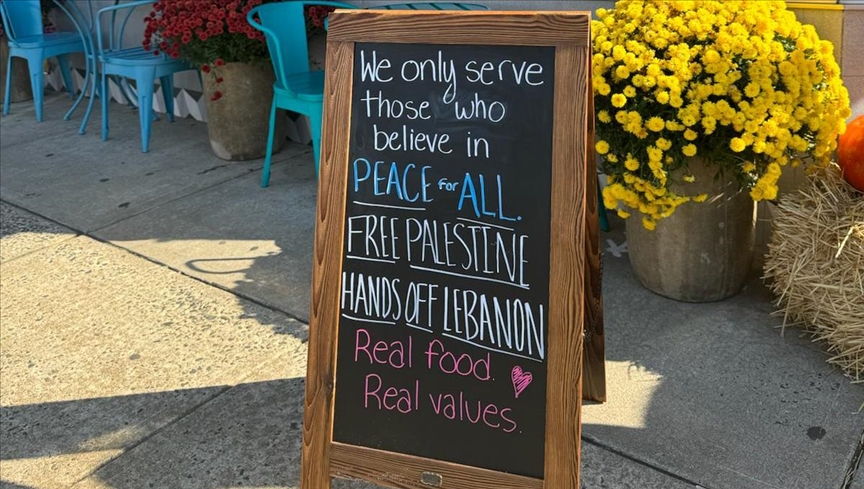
431 479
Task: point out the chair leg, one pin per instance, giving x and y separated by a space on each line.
66 73
37 83
92 73
168 95
144 85
104 100
82 93
601 209
315 121
90 79
265 175
7 96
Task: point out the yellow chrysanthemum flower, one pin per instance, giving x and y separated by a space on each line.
655 124
649 224
743 78
602 147
711 56
622 72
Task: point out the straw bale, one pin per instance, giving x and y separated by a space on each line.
815 266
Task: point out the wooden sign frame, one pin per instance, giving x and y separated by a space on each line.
572 190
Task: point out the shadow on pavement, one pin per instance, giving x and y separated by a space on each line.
248 436
708 392
712 393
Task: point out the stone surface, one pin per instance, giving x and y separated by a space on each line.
251 435
74 170
101 349
714 393
21 232
256 242
603 469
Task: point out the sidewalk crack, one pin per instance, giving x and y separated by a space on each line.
155 432
854 464
608 448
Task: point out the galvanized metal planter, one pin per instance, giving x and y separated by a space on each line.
704 251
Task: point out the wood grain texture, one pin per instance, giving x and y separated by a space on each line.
326 272
567 268
323 458
404 471
459 27
594 349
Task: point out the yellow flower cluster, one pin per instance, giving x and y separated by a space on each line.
741 84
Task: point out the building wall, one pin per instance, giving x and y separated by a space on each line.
843 25
852 64
841 22
188 85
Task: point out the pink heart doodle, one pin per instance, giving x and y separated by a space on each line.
520 379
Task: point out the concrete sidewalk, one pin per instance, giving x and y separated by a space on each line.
153 314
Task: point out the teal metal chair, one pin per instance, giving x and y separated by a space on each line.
136 63
297 88
22 22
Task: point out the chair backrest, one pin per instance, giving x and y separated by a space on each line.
115 27
21 18
83 23
284 26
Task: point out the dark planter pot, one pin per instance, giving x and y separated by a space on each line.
21 90
238 120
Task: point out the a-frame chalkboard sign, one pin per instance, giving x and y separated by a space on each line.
456 212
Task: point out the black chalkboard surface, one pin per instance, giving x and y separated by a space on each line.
442 334
453 247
